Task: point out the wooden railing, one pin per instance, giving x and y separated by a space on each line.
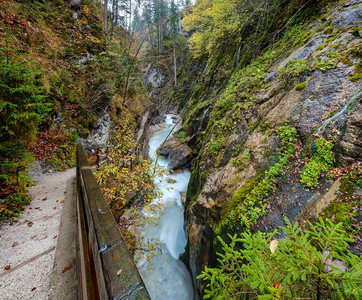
106 268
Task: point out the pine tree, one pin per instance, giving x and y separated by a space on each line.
21 101
313 264
174 33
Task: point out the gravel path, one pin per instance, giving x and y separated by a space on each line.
29 246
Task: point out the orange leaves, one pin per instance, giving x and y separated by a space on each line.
277 285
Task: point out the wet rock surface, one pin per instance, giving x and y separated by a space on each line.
326 94
99 135
351 140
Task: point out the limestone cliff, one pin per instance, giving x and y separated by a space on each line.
242 115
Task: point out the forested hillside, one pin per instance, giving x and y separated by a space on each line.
62 78
266 97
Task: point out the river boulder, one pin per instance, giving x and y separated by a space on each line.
178 152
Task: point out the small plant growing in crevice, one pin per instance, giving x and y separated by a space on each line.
182 135
294 69
321 160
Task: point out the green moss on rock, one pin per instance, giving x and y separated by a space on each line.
300 86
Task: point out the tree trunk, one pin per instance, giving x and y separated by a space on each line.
174 64
105 15
113 18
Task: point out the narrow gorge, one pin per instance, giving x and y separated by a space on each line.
225 135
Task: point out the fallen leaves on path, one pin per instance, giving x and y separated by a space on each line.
7 268
66 268
30 224
15 244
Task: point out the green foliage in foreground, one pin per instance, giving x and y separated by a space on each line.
309 264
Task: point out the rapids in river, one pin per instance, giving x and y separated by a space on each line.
164 275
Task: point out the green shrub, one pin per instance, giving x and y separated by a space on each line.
13 180
182 135
21 100
309 264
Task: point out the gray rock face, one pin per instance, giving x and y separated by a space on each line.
74 3
85 59
350 144
179 156
167 146
349 17
328 90
271 76
100 134
326 93
155 77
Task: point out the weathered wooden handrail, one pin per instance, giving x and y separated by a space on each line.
107 270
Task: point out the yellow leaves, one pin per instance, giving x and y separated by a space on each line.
197 44
93 39
86 11
211 20
273 245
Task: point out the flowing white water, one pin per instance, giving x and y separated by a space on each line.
165 276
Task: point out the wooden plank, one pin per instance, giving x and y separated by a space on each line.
99 209
86 286
128 285
108 251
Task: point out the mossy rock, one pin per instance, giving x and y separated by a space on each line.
356 77
344 208
300 86
240 194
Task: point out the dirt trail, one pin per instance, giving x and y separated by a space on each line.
29 246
